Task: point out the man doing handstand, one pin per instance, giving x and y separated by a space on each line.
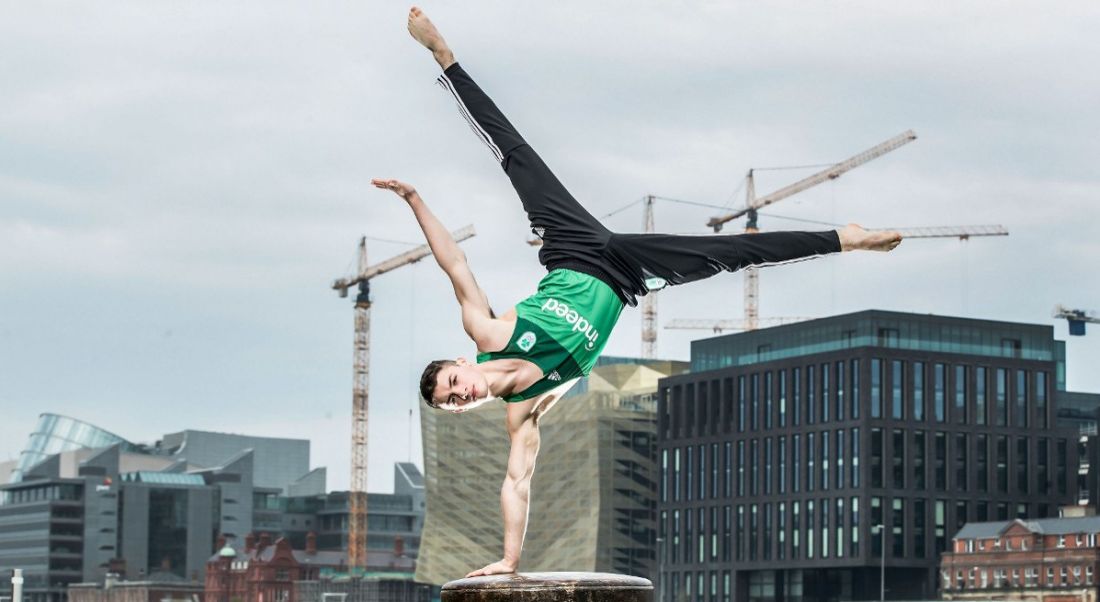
532 354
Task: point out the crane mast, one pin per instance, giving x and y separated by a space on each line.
357 495
649 302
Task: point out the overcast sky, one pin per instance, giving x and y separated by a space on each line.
181 182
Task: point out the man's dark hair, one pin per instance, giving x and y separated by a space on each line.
427 380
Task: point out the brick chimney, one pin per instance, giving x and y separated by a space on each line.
398 546
265 540
249 543
311 543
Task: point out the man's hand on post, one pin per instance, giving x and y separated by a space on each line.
497 568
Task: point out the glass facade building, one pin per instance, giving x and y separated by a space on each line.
799 458
55 433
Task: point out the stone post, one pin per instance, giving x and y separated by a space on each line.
549 587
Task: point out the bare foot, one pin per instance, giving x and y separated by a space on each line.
423 31
853 237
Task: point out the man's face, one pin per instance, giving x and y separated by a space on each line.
460 387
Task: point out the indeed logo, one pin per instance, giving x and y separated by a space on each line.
579 322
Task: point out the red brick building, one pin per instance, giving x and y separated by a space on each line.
1045 560
266 572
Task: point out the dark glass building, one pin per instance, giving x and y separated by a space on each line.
797 460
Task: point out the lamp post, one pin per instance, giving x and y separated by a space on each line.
881 529
17 585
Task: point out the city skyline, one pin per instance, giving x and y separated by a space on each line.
180 190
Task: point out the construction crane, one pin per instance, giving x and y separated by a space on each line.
960 232
649 301
357 495
1077 319
752 204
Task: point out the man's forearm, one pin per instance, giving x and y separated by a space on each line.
443 245
514 503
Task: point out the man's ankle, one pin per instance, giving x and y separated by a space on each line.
444 57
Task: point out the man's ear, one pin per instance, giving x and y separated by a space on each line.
462 361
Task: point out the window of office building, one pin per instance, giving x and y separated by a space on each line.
810 529
811 395
754 530
840 403
920 524
768 466
796 463
782 465
940 445
824 527
1041 466
853 398
960 394
714 470
796 530
897 400
754 467
854 464
700 592
781 531
742 408
754 402
939 404
1002 511
839 527
727 468
1002 464
741 468
981 382
897 538
1060 451
689 472
687 586
824 460
768 400
961 459
840 459
811 452
876 457
960 514
676 473
853 541
726 586
1021 511
877 534
782 378
689 407
898 463
1041 399
919 454
663 537
826 400
702 476
727 402
1000 392
767 539
727 531
876 388
1022 465
918 391
664 475
796 396
689 535
981 463
675 536
940 511
740 541
1020 411
701 541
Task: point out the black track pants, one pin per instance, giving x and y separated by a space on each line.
574 239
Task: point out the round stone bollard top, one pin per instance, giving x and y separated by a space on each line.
549 587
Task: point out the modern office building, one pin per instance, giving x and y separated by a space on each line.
593 492
799 460
55 433
1044 560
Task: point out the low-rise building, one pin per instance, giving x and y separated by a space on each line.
1044 560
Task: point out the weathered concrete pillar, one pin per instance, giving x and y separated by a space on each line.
549 587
